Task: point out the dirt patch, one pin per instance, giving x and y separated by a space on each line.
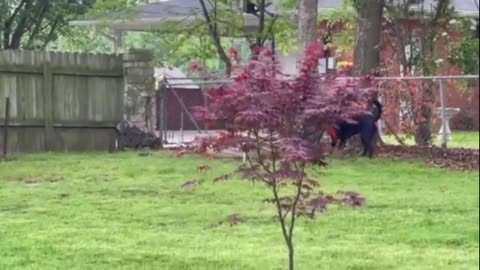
450 158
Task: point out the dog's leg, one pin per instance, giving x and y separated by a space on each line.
369 140
365 144
373 144
367 136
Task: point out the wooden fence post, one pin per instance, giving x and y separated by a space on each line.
48 107
5 127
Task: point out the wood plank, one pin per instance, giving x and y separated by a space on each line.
77 71
61 124
48 107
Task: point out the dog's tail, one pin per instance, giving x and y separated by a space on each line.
379 110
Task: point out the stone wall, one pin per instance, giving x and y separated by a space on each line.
139 86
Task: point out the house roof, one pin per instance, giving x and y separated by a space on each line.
168 8
463 7
466 7
154 15
175 76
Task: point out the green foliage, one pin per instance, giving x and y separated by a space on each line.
112 8
461 139
464 53
178 50
346 16
81 39
181 44
289 4
33 24
285 36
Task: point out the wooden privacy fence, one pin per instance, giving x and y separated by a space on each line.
61 101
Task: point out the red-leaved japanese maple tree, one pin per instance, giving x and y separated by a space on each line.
276 123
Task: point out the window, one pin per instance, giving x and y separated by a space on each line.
412 55
250 7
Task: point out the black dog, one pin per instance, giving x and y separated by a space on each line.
366 126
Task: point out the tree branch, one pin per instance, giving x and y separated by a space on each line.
20 29
269 31
37 21
280 215
216 39
8 25
50 34
297 198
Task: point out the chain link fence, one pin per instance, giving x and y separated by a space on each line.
447 106
173 102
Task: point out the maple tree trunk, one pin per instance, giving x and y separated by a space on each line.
291 257
368 38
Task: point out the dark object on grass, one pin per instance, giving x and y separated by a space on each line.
366 126
130 136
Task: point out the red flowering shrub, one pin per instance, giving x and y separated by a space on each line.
274 122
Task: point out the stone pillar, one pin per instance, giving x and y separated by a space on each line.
139 83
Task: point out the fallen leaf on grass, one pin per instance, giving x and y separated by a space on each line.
190 185
234 219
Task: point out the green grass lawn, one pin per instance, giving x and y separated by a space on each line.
122 211
465 139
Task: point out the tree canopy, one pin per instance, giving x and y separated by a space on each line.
32 24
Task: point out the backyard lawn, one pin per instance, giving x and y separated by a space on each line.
463 139
124 211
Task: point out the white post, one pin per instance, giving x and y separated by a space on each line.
444 127
118 41
181 127
380 122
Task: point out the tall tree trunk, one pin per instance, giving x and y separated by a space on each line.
368 44
368 39
307 23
